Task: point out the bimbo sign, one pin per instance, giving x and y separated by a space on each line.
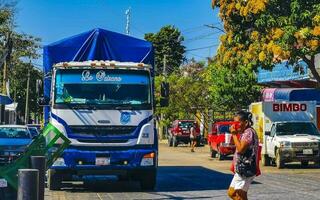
289 107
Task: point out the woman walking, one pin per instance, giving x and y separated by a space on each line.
245 164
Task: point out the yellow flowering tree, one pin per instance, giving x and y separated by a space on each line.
260 33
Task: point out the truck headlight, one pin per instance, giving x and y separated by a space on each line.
59 162
285 144
147 159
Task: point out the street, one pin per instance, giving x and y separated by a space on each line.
186 175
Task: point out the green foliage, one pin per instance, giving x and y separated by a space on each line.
189 92
167 42
232 89
24 48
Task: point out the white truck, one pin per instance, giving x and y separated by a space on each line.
287 131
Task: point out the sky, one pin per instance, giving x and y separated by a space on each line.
52 20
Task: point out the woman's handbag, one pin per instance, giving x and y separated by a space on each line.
246 163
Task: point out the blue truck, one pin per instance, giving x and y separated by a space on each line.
99 91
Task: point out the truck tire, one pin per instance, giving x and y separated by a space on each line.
279 161
317 163
265 160
213 153
148 180
54 180
304 163
175 141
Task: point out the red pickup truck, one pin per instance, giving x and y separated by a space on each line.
220 140
179 132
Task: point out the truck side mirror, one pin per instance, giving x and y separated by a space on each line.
267 133
164 89
164 102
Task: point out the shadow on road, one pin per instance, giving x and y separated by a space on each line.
170 179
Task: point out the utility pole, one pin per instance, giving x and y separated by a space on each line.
128 14
164 72
26 115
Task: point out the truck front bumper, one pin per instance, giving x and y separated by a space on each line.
82 161
297 155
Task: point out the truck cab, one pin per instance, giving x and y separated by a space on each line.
290 141
220 141
179 132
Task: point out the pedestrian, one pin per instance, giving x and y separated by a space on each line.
245 164
193 136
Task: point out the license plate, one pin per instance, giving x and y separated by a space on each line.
3 183
102 161
307 151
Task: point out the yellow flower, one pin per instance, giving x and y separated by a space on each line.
278 33
245 11
277 51
304 32
316 31
262 56
238 6
316 19
255 35
314 44
223 38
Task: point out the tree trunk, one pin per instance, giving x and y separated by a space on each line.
312 67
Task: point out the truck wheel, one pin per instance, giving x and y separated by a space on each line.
54 180
219 155
279 161
175 141
265 159
170 141
317 163
148 180
213 153
304 163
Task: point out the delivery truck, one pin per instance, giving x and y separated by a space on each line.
99 92
287 131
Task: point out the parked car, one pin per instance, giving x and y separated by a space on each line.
220 141
14 139
179 132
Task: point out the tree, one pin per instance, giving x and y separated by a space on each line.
232 89
189 92
167 43
23 49
260 33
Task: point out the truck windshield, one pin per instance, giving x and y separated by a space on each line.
224 129
104 88
293 128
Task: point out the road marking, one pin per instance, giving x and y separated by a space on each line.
99 196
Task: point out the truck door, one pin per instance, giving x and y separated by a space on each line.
270 142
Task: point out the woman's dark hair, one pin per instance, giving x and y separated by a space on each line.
245 116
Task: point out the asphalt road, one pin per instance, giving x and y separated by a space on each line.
186 175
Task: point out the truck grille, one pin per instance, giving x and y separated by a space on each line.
102 130
304 144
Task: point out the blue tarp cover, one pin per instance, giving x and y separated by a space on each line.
97 44
5 100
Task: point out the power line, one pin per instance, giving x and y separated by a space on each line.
207 47
200 37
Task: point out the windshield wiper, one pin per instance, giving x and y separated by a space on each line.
124 107
82 106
